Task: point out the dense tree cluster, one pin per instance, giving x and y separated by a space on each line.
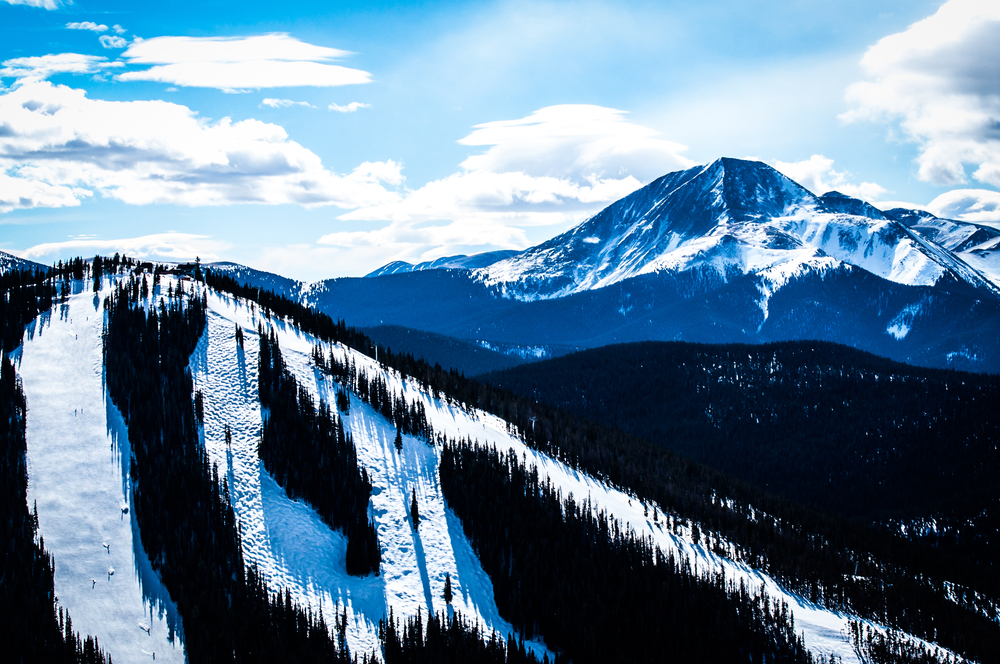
873 646
562 570
307 451
447 639
409 417
31 629
23 295
185 517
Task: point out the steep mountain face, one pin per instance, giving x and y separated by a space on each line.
733 217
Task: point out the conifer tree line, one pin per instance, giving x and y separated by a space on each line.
839 563
308 452
186 520
23 295
409 417
448 638
590 587
890 647
31 627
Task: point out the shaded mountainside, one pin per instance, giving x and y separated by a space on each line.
822 424
947 325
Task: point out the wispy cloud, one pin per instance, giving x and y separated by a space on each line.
119 29
87 25
284 103
60 146
940 79
172 247
41 4
239 63
36 68
350 108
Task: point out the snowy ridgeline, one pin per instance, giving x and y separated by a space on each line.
77 444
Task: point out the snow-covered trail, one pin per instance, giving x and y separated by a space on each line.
78 465
287 539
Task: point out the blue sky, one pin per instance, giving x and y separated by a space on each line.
328 138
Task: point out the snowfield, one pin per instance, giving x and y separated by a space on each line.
78 465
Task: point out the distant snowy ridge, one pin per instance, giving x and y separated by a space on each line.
10 262
459 262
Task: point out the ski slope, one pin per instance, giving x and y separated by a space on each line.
78 452
78 475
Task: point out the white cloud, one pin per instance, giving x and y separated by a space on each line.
87 25
350 108
113 41
552 168
37 68
171 247
20 193
976 205
284 103
578 141
239 63
144 152
119 29
817 175
41 4
940 79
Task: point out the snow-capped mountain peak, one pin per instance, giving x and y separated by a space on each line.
730 217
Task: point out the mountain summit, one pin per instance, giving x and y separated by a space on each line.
732 217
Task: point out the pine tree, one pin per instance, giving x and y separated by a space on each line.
414 512
399 440
447 588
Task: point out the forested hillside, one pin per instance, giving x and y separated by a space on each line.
822 424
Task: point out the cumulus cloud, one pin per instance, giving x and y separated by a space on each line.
37 68
553 168
60 145
817 175
41 4
113 41
239 63
940 79
170 247
284 103
119 29
976 205
350 108
87 25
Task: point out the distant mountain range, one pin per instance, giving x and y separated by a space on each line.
729 252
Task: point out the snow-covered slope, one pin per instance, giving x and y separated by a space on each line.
76 444
78 475
977 245
730 217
